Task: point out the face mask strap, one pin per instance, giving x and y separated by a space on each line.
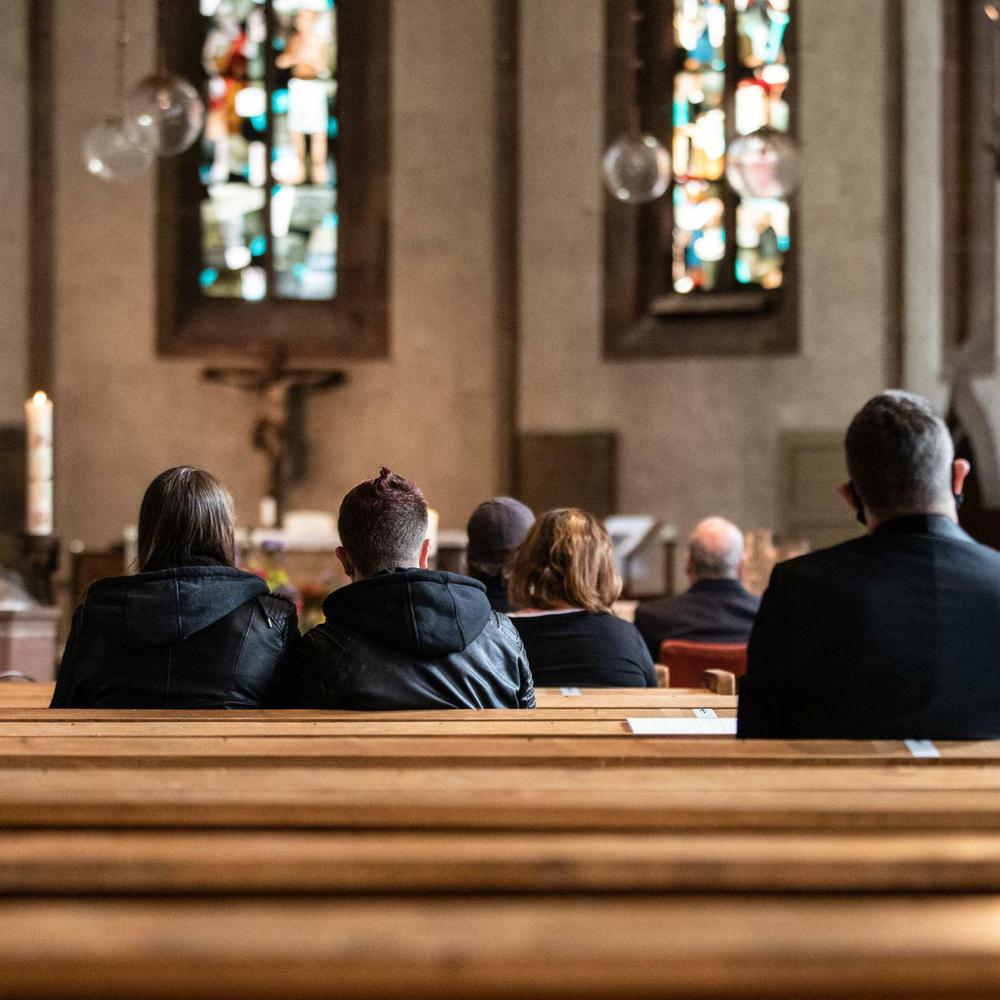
859 507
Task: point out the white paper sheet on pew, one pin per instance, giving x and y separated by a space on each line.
682 727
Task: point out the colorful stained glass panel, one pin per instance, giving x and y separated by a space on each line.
703 83
268 171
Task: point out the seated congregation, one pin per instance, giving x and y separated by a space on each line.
891 635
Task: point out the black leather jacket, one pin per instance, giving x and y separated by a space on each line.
412 639
204 636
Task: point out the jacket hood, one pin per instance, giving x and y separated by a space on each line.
153 609
421 612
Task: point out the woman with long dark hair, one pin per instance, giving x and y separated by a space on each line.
189 630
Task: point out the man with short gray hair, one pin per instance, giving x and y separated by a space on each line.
894 635
716 608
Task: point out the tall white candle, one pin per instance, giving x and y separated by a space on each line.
38 420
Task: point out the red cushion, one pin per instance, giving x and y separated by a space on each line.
689 660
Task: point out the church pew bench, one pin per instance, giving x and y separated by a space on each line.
464 724
39 695
597 734
504 796
281 717
203 744
291 862
710 948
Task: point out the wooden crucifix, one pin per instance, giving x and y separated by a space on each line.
278 431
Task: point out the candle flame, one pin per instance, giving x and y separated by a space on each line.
39 398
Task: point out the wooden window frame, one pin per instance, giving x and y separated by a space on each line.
640 321
354 325
969 209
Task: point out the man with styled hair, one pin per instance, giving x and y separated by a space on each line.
716 607
401 636
894 635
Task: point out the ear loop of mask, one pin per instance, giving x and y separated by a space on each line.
859 509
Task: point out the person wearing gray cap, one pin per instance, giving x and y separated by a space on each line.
496 528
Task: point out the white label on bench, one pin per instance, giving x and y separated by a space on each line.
922 748
660 726
569 692
704 713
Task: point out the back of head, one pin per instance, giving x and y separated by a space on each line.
565 561
186 517
715 550
382 523
496 528
899 455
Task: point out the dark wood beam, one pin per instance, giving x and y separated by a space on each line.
506 208
41 209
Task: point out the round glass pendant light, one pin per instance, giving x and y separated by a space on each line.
636 168
764 164
113 153
165 112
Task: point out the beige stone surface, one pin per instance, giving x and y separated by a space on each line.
14 168
124 414
699 436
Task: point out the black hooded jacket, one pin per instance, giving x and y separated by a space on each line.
206 636
412 639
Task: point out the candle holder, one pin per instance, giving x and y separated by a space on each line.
41 559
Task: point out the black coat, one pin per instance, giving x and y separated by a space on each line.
194 637
895 635
412 639
584 649
710 611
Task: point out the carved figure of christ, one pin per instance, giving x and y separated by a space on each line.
277 430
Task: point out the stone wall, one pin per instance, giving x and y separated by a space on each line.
14 168
123 413
700 435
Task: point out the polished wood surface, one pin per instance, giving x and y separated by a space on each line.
502 798
294 862
682 947
39 696
487 854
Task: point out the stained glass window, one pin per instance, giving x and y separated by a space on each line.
268 169
730 78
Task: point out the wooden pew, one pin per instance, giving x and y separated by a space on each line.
296 862
684 947
449 797
297 745
39 696
553 818
466 722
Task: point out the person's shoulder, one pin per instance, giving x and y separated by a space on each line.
503 630
659 607
278 603
968 545
279 609
609 624
969 556
822 560
327 637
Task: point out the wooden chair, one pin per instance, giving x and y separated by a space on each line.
687 662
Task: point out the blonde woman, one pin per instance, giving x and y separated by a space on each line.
563 583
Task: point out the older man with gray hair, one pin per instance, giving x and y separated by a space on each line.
716 608
893 635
